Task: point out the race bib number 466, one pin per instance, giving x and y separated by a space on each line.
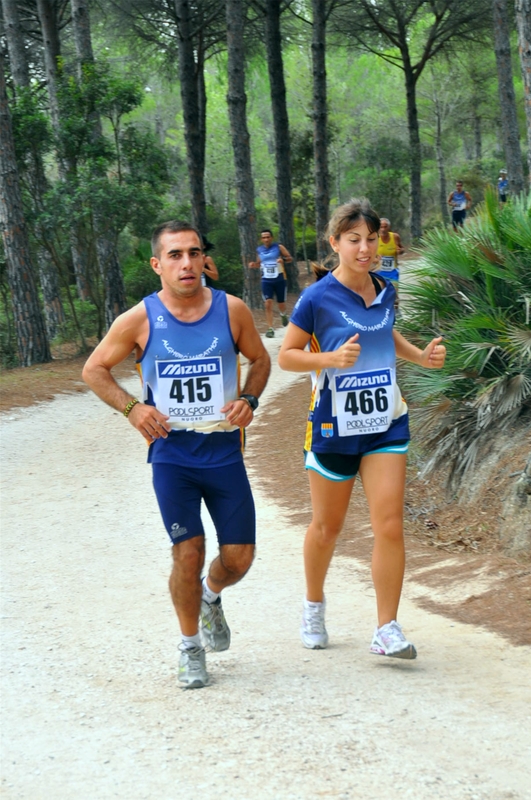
191 390
364 402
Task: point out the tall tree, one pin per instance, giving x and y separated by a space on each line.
407 35
523 23
106 241
237 103
196 29
272 10
48 272
191 81
320 12
32 341
52 52
509 120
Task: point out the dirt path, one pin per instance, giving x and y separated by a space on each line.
92 706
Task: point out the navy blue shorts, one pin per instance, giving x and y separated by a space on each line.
274 287
227 495
458 218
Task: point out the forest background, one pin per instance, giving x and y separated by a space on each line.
241 115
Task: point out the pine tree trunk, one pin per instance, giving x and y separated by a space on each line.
282 138
443 205
509 121
32 341
18 59
49 277
320 120
415 152
106 245
193 123
523 23
52 51
237 103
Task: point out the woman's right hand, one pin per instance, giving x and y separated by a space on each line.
347 354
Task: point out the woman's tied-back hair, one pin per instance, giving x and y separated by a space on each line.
172 226
342 220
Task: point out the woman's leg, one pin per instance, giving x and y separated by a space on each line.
384 479
329 503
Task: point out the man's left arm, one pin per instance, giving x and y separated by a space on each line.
400 249
251 346
285 254
468 200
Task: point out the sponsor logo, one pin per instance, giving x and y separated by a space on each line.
327 430
367 422
380 377
177 531
170 369
160 322
191 411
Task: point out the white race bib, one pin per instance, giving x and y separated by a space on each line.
387 263
364 401
191 390
270 270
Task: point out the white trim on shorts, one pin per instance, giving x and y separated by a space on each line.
311 462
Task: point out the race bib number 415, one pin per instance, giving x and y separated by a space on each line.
191 390
364 402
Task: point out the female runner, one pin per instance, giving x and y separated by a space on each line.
357 421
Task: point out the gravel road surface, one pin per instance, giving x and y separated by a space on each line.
91 703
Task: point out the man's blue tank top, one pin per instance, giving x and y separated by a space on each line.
460 199
189 371
269 265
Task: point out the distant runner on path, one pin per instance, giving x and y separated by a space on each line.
271 258
389 248
187 340
357 421
459 201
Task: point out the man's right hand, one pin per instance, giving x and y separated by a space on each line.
150 422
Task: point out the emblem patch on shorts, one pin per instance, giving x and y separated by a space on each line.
327 429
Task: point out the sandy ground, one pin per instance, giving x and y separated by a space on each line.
91 703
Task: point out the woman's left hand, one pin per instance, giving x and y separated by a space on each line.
433 356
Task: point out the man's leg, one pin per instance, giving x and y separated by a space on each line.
185 583
269 313
229 500
179 498
282 290
229 567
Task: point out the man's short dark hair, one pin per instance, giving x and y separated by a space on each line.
172 226
266 230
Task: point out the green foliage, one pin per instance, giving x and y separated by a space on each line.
32 131
139 278
475 289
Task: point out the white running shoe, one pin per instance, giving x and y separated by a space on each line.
192 668
313 631
214 628
390 641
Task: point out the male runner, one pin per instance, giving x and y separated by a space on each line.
503 186
187 340
389 248
271 258
459 201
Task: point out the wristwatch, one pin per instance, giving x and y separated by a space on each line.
251 399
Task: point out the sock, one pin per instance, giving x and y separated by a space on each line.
312 603
208 594
192 641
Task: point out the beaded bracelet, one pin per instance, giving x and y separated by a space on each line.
129 407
